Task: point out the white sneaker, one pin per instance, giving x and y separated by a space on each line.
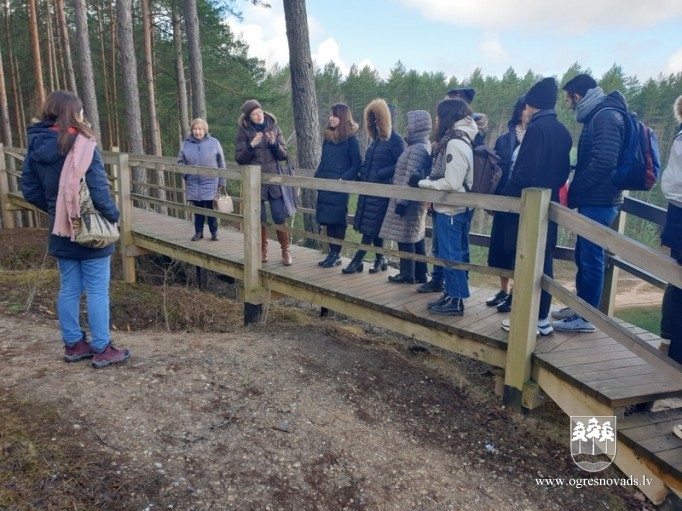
544 326
564 313
574 324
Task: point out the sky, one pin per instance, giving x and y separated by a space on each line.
456 36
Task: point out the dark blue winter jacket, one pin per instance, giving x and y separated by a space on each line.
40 186
340 160
599 148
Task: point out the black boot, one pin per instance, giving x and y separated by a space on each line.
380 264
326 259
334 259
355 265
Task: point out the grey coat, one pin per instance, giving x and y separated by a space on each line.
410 227
206 152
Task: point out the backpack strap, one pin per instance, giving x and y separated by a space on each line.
463 135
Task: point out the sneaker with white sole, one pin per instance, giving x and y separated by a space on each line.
544 327
564 313
574 324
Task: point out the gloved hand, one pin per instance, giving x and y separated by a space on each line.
400 209
414 180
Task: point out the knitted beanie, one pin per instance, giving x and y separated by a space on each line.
249 106
543 94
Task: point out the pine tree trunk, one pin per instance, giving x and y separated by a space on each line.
35 48
88 95
196 69
180 76
126 55
66 46
304 99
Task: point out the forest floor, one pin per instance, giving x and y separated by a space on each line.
300 413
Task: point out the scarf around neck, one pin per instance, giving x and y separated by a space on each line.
76 164
588 103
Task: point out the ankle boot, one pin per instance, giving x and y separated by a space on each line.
326 259
355 266
380 264
264 244
283 239
334 259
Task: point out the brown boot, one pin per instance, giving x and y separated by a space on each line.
283 239
264 244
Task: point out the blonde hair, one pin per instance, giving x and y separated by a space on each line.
196 121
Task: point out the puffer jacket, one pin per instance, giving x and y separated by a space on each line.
599 148
263 154
410 227
206 152
340 160
383 152
40 185
457 162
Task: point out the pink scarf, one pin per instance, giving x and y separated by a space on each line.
76 164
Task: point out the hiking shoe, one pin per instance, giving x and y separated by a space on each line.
450 307
78 351
564 313
544 327
573 324
440 301
109 356
506 305
496 300
432 286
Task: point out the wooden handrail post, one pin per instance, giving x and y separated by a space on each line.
254 294
122 175
530 256
607 303
7 215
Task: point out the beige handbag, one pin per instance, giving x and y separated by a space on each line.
223 203
92 229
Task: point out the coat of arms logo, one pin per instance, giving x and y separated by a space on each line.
593 442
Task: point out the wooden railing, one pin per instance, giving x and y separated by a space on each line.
534 207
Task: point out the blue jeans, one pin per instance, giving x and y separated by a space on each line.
91 276
452 230
589 257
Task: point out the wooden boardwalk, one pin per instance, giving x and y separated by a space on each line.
592 362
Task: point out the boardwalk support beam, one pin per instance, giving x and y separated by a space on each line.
254 294
530 254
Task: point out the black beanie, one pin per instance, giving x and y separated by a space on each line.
467 94
543 94
580 84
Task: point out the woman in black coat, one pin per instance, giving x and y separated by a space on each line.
507 147
340 160
381 156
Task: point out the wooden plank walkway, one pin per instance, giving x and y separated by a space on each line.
651 438
592 362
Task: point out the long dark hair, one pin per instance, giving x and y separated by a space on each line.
64 108
449 112
347 126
